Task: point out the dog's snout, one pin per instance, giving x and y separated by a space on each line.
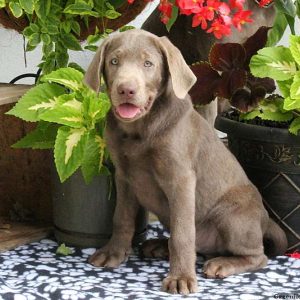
127 90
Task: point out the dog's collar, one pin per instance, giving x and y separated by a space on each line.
264 3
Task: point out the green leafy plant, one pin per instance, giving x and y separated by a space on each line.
71 119
58 26
64 250
283 65
287 11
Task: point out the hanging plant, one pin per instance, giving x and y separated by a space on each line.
60 25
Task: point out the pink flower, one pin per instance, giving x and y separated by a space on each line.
224 9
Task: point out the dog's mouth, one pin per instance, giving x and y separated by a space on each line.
128 111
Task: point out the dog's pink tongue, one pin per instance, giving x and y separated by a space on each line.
127 110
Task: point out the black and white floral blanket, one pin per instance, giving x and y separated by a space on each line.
35 271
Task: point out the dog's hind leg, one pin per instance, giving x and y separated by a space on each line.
155 248
245 248
241 238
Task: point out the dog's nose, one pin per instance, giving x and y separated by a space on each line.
127 90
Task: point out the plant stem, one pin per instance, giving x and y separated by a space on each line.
296 113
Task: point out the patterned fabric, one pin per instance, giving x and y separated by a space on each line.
34 271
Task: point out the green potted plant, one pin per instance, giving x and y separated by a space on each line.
263 131
71 120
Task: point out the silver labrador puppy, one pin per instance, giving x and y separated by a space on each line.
170 161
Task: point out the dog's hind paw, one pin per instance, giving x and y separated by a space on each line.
155 248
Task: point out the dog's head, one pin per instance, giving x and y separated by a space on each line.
133 64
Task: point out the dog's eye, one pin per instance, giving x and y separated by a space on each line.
148 64
114 61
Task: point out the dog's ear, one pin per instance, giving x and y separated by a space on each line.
95 69
182 76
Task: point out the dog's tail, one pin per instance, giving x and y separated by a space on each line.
275 241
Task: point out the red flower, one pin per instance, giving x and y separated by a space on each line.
240 18
219 14
236 4
211 7
264 3
294 255
166 9
219 29
199 19
188 7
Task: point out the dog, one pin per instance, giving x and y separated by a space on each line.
169 160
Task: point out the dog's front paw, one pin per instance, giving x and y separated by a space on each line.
108 257
183 285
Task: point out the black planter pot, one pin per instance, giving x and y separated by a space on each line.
271 159
83 214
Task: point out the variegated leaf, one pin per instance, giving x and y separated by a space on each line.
274 62
68 77
99 106
295 47
276 116
2 3
285 87
290 103
69 150
37 100
250 115
295 126
43 137
295 87
92 161
27 5
67 111
16 9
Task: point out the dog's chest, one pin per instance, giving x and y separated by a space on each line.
135 161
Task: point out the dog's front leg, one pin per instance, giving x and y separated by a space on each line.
119 246
180 190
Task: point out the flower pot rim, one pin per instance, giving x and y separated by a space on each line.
255 132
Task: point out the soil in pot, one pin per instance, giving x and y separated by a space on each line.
271 159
